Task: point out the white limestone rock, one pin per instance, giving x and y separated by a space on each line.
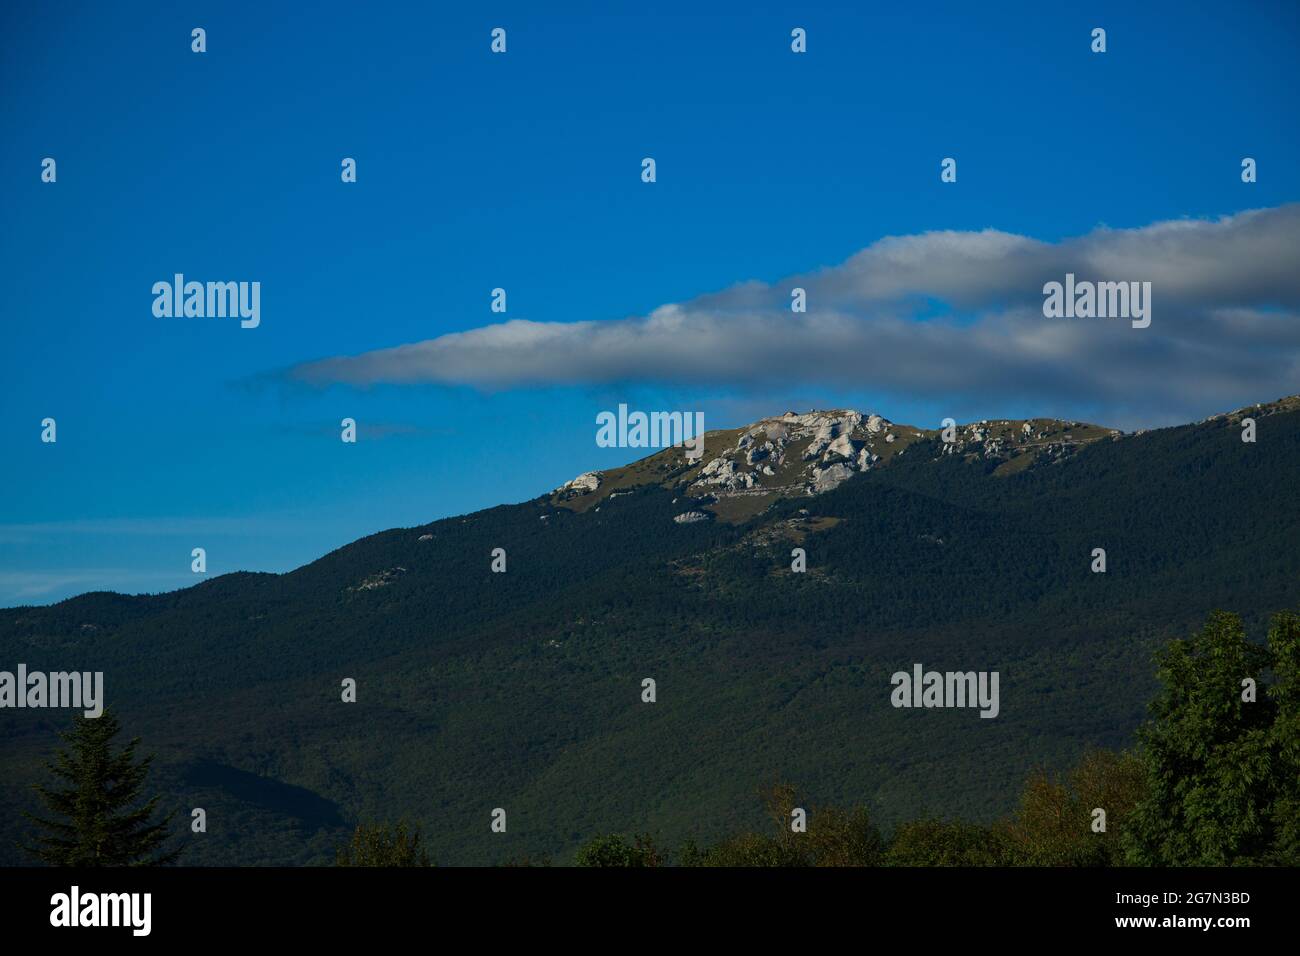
718 468
815 448
583 484
830 477
844 446
691 517
725 474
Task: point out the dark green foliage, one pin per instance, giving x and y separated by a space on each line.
833 836
1284 646
843 838
1216 783
1057 822
614 850
750 850
947 843
95 817
1221 771
383 845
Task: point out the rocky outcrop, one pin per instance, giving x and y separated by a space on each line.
831 476
691 517
584 484
770 455
725 474
812 453
380 580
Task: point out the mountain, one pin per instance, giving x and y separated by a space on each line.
523 690
744 471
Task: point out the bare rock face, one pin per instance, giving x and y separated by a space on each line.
719 468
830 477
691 517
815 448
725 473
759 452
582 485
833 444
844 446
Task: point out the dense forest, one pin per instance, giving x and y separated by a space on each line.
1213 781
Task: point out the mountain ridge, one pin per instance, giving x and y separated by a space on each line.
827 447
522 689
666 467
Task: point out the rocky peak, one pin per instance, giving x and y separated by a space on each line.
795 454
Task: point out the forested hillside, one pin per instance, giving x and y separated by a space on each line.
522 689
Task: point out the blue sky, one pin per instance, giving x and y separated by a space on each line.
522 171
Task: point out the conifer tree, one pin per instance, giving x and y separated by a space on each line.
96 817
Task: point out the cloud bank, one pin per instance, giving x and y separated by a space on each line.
933 316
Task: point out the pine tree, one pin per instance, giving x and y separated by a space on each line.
94 823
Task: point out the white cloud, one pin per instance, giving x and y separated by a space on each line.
933 316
